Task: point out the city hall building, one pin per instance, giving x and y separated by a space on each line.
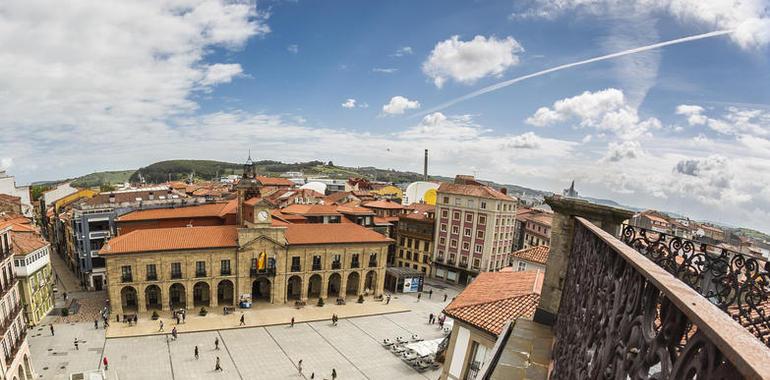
260 257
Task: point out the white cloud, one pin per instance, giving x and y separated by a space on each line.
528 140
468 61
384 70
398 105
402 51
604 110
749 18
694 114
221 73
622 151
350 103
293 48
5 163
735 121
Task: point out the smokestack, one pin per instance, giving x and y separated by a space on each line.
425 166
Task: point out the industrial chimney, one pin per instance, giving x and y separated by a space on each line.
425 166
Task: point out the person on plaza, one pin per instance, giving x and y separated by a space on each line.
96 324
430 293
292 321
196 352
135 319
430 319
334 373
106 323
299 366
218 367
106 367
76 344
161 326
419 295
243 319
177 319
52 333
216 343
184 315
312 375
65 297
444 297
388 300
173 333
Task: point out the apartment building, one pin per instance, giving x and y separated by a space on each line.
16 361
415 238
32 265
474 229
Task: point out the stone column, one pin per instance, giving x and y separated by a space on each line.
141 302
324 285
562 233
213 302
164 298
303 287
361 282
343 284
189 294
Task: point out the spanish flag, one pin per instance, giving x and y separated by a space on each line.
261 261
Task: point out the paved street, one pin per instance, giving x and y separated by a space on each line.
269 352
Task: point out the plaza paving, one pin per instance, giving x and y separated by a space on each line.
254 352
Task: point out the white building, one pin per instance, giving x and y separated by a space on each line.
61 191
8 186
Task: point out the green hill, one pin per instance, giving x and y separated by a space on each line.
103 178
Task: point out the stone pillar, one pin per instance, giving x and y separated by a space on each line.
213 302
164 299
189 294
343 284
325 285
562 234
361 282
303 287
141 302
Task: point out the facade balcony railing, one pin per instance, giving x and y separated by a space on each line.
176 275
623 316
5 289
336 265
736 283
355 264
296 268
372 264
10 319
254 272
200 273
152 277
225 272
15 348
316 266
125 278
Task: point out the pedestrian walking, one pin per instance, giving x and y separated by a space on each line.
334 373
218 367
419 295
216 343
430 319
430 293
106 367
444 297
161 326
106 323
299 366
292 321
173 333
65 296
135 319
177 319
96 324
184 315
312 375
388 301
196 352
52 333
76 344
243 319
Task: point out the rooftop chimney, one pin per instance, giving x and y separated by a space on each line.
425 166
504 190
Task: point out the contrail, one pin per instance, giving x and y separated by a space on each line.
509 82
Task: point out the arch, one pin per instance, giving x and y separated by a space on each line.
370 282
128 298
225 293
314 285
333 289
260 290
352 286
294 288
21 372
177 296
153 297
201 294
27 367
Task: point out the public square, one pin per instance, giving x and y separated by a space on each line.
352 348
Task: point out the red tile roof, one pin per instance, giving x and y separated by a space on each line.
537 254
168 239
474 191
387 205
273 181
25 243
352 209
199 211
494 298
311 210
335 233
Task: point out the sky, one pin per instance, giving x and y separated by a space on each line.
95 85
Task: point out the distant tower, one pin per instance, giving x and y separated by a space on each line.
248 187
425 166
571 192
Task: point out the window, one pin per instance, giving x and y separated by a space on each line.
466 246
409 255
373 260
444 213
468 232
200 269
224 268
480 234
456 215
400 253
458 201
482 219
443 227
479 248
446 200
152 273
522 266
126 273
470 203
455 230
483 205
425 259
476 263
337 263
453 243
176 270
469 218
316 262
463 260
354 263
442 240
295 266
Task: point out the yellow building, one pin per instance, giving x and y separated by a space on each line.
259 258
32 265
415 238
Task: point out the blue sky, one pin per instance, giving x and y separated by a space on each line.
102 85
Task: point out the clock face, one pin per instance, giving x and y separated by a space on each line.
262 216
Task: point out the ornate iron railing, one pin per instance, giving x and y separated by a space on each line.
623 316
738 284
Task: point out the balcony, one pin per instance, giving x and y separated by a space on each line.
15 347
262 272
355 264
336 265
152 277
225 272
296 268
126 278
98 234
316 266
176 275
200 273
372 264
623 315
13 314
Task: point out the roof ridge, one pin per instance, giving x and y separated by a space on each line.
532 292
